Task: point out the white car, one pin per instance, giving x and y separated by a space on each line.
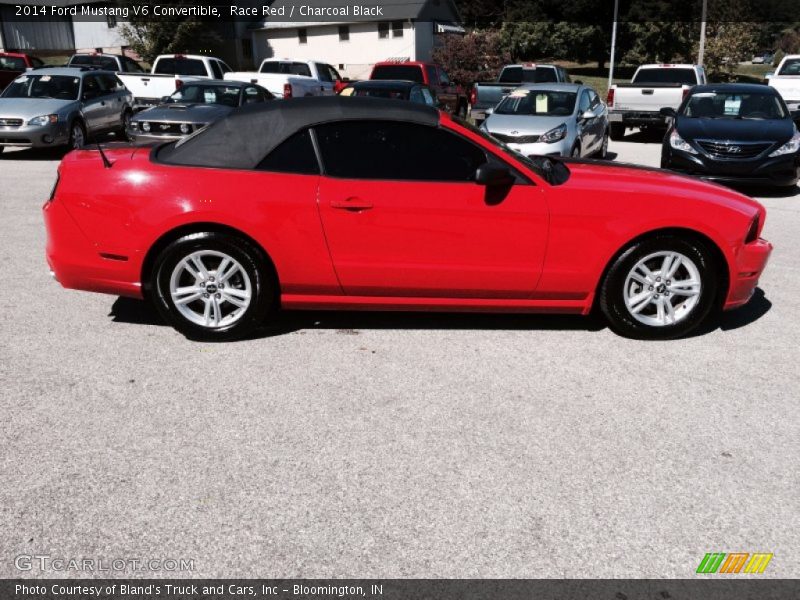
786 80
292 78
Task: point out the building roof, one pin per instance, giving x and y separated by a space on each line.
232 143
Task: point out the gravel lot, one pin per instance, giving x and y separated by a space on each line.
393 445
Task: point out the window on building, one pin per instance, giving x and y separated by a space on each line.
344 33
397 29
302 35
383 30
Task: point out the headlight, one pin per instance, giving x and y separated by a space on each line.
134 125
555 134
679 143
145 126
185 128
790 147
43 120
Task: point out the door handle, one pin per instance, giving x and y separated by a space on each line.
351 204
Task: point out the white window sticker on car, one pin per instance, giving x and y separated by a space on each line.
210 97
732 104
45 78
541 103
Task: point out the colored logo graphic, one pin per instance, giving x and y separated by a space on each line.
736 562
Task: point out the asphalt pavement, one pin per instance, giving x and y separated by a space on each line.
391 445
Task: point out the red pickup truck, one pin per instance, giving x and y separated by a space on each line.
13 64
451 96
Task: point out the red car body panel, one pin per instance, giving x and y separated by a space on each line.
9 75
393 245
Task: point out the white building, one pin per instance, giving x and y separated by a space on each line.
410 30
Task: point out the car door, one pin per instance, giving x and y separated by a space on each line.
95 114
403 216
115 91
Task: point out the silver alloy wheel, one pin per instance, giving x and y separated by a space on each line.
210 289
662 288
77 136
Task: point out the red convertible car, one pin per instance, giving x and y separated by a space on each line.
361 203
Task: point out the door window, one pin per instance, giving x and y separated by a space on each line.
91 87
215 70
396 151
294 155
584 103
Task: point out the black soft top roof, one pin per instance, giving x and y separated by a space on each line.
243 138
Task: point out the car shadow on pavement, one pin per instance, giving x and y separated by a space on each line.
759 192
645 136
139 312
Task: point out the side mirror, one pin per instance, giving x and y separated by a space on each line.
769 75
493 176
668 111
488 111
589 114
346 79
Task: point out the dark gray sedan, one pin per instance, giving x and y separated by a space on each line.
62 107
191 108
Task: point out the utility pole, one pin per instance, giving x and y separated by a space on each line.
613 44
702 34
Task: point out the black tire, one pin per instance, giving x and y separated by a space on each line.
602 153
612 292
73 143
126 119
263 286
576 151
2 148
616 131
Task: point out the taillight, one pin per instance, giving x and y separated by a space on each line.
287 90
473 95
610 98
178 84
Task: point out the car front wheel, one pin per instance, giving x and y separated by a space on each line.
77 136
212 286
660 288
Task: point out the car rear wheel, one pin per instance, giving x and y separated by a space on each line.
77 136
660 288
126 123
616 131
213 286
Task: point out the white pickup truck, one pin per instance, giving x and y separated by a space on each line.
786 79
169 72
653 87
293 78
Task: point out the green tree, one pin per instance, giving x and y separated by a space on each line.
150 36
476 56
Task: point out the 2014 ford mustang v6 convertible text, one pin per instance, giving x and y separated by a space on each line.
361 203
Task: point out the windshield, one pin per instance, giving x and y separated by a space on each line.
732 105
528 75
287 68
540 103
60 87
666 75
207 94
12 63
399 72
104 62
180 66
790 67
